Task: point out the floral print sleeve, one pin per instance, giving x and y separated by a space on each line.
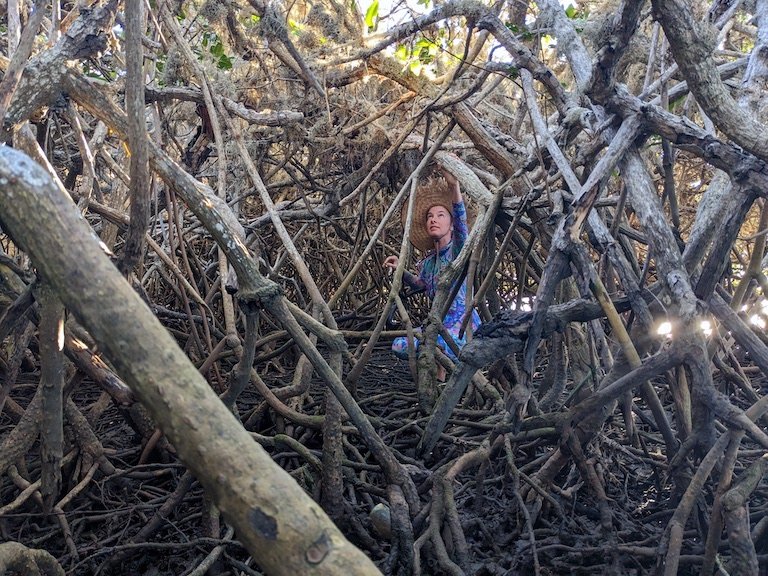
460 228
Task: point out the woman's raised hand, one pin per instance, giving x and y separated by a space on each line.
450 178
391 262
453 183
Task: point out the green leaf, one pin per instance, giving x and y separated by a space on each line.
224 63
372 14
571 11
523 32
217 49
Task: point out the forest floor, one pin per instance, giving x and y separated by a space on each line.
148 518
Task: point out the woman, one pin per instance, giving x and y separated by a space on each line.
440 225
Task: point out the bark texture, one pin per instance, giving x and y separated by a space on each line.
288 532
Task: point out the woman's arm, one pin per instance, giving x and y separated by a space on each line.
460 228
454 184
414 281
410 279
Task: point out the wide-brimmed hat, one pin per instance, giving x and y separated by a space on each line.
432 191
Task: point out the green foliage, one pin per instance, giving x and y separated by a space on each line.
578 15
575 13
294 27
217 49
418 54
211 42
224 62
206 39
522 32
251 21
372 15
425 50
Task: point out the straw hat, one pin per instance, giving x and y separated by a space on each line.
433 191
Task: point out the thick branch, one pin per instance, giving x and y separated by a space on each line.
273 517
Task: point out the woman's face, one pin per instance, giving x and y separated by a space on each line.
438 222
